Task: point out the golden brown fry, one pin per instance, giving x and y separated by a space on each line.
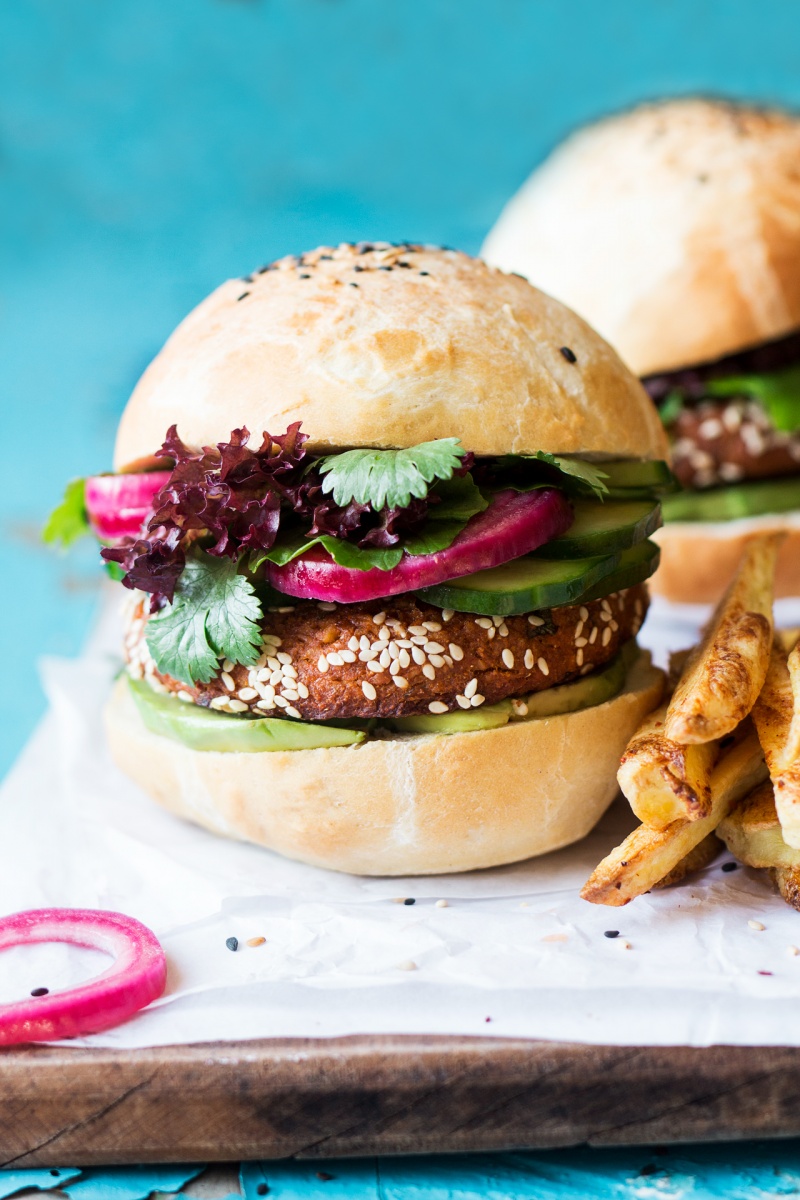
725 673
664 781
776 715
703 853
648 855
787 881
752 832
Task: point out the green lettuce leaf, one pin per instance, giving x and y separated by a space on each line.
68 521
215 612
778 393
389 477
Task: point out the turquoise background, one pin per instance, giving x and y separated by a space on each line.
148 150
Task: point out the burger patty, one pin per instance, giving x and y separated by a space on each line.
718 442
401 657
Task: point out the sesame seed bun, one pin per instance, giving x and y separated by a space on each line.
674 229
699 558
390 346
406 805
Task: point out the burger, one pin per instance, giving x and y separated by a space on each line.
381 515
675 230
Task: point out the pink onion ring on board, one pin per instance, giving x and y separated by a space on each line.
137 976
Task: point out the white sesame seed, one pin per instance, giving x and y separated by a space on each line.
490 633
326 606
400 681
503 630
428 671
606 607
404 658
302 691
266 692
237 706
322 664
281 703
262 707
292 712
508 659
456 651
583 613
529 659
394 650
375 666
534 620
442 904
498 621
579 658
227 665
369 690
227 681
579 629
436 660
520 708
347 656
585 670
290 672
393 623
378 618
353 643
418 631
462 701
247 693
334 659
593 635
431 626
581 641
273 664
219 702
271 639
290 694
471 688
756 925
484 622
394 667
606 638
385 658
384 635
477 700
448 614
418 655
436 706
363 642
403 643
283 658
433 648
606 616
543 667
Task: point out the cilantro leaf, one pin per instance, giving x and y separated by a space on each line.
68 521
778 393
672 407
292 545
389 478
587 475
215 612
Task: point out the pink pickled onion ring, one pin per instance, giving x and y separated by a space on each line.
137 976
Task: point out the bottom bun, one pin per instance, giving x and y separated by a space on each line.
407 805
699 558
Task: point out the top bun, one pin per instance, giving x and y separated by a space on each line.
674 229
387 346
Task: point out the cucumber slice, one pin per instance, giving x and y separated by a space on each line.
522 585
739 500
644 475
604 528
634 566
204 729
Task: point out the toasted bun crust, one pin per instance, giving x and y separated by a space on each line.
407 806
368 352
674 229
698 558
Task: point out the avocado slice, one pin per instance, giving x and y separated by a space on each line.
204 729
737 500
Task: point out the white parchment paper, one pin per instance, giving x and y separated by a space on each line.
514 952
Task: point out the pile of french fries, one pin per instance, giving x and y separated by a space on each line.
721 758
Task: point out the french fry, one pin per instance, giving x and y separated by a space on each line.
703 853
725 673
776 716
787 881
648 855
664 781
752 833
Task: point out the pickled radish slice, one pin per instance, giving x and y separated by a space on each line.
118 504
515 523
136 977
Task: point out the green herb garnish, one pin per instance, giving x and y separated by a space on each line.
69 520
389 478
778 393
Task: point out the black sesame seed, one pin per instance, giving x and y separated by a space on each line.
352 285
729 866
569 355
303 276
424 272
611 933
384 268
232 943
402 264
358 267
40 991
410 900
247 279
262 1189
55 1171
364 247
323 258
242 295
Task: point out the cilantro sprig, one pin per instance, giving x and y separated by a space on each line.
778 392
215 612
69 520
389 478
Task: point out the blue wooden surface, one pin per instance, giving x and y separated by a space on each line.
147 151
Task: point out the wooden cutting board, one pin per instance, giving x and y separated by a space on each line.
381 1095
